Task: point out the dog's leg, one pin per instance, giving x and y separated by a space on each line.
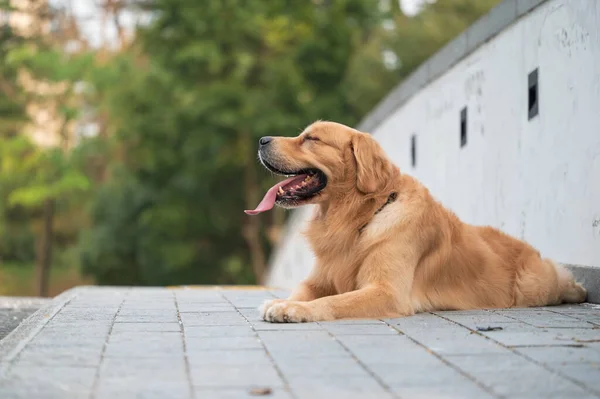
385 292
370 302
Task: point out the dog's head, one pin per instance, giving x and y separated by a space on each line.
326 160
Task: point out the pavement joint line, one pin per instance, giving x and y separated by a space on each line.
592 324
112 324
286 383
543 365
445 361
185 353
364 366
495 312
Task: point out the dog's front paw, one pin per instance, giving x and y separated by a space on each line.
267 305
282 311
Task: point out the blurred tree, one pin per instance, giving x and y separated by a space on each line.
14 237
35 178
178 110
215 79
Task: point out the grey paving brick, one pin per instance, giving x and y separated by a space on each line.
457 342
205 307
129 312
236 393
238 357
83 316
261 325
301 344
221 343
334 367
91 310
422 322
384 349
149 369
587 374
405 375
95 344
51 357
143 305
62 332
170 317
134 365
146 339
199 296
511 382
95 304
236 376
149 348
360 329
545 337
18 390
147 389
119 328
479 319
469 346
338 387
492 363
62 377
219 331
79 325
546 318
213 319
554 355
462 388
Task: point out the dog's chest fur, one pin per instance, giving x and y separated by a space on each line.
338 251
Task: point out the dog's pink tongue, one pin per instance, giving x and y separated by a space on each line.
268 201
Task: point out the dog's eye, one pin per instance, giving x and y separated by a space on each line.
310 138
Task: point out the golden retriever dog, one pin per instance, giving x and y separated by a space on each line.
385 247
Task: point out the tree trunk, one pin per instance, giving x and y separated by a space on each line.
44 249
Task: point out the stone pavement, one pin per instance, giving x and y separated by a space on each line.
209 343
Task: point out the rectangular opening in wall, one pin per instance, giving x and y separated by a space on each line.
532 94
463 127
413 150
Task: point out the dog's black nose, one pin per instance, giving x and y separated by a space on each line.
265 140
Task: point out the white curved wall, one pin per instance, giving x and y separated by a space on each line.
536 179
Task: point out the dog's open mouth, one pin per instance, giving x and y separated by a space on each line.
300 187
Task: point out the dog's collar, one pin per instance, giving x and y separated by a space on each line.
391 198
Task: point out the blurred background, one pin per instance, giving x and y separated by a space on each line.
128 128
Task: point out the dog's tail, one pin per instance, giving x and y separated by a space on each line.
570 291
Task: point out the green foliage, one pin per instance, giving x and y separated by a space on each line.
218 78
157 197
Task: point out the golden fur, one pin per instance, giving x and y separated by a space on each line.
413 256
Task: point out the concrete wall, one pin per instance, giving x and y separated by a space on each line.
537 179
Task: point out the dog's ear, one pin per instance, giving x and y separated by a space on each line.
373 168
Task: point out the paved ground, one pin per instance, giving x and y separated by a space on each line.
13 310
167 343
